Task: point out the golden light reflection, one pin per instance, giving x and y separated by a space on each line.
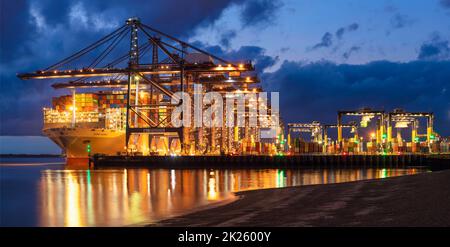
212 193
134 196
72 215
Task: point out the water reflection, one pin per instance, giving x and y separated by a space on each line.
131 196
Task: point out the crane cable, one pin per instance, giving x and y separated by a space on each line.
87 49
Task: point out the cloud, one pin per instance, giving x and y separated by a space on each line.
38 20
226 37
445 3
340 32
326 41
401 21
284 49
390 8
327 38
80 18
37 33
353 27
263 62
258 12
350 28
256 54
349 52
83 18
315 91
78 15
436 49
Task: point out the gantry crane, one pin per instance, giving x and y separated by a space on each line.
351 125
315 128
172 67
365 113
399 115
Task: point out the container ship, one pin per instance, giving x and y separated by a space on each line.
95 123
122 104
87 122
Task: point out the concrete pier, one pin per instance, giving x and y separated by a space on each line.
342 161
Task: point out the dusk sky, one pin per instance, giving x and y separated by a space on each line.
322 56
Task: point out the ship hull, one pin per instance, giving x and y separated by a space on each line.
74 141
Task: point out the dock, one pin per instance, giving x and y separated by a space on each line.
434 162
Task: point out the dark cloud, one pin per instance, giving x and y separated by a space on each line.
349 52
400 21
315 91
353 27
23 21
13 12
350 28
254 53
263 62
390 8
226 37
340 32
35 34
326 41
256 12
435 49
327 38
284 49
445 3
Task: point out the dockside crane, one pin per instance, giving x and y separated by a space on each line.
366 114
399 115
353 126
171 68
315 128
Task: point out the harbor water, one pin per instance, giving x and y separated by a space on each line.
46 192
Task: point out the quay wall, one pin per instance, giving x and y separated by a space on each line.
437 162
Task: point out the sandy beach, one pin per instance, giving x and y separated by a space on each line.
416 200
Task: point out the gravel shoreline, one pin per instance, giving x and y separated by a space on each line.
415 200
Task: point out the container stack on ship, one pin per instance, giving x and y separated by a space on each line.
121 105
99 121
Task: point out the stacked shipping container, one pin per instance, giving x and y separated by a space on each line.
301 146
115 99
84 102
